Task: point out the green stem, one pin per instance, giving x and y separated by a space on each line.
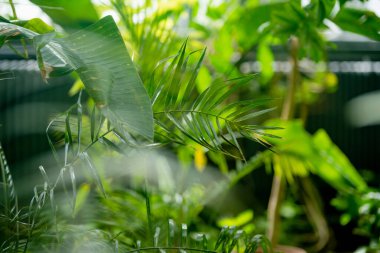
274 205
13 9
313 208
289 103
278 184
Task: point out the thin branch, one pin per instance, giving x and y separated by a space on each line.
289 103
278 184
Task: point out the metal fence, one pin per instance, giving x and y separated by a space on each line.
26 105
357 66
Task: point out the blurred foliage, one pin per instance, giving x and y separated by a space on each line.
109 197
243 220
364 207
117 119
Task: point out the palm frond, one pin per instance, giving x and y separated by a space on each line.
209 118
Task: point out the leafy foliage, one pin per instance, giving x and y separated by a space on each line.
151 39
203 119
362 207
298 153
361 22
46 226
120 112
110 77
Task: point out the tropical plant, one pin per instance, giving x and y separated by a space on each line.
123 117
183 103
253 28
53 223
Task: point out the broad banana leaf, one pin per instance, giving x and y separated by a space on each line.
98 54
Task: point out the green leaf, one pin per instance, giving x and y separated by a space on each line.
10 31
320 9
53 63
362 22
297 152
294 138
81 197
209 122
204 79
328 6
152 39
240 220
203 118
250 19
35 25
86 159
71 14
266 59
2 19
334 166
223 51
99 56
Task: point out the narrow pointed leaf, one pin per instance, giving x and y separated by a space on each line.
94 172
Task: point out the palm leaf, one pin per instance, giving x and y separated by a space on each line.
207 119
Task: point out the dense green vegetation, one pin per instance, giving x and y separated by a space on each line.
158 136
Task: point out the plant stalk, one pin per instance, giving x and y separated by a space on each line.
289 103
13 9
278 183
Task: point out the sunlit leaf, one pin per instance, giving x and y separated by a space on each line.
240 220
266 58
72 14
35 25
81 197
